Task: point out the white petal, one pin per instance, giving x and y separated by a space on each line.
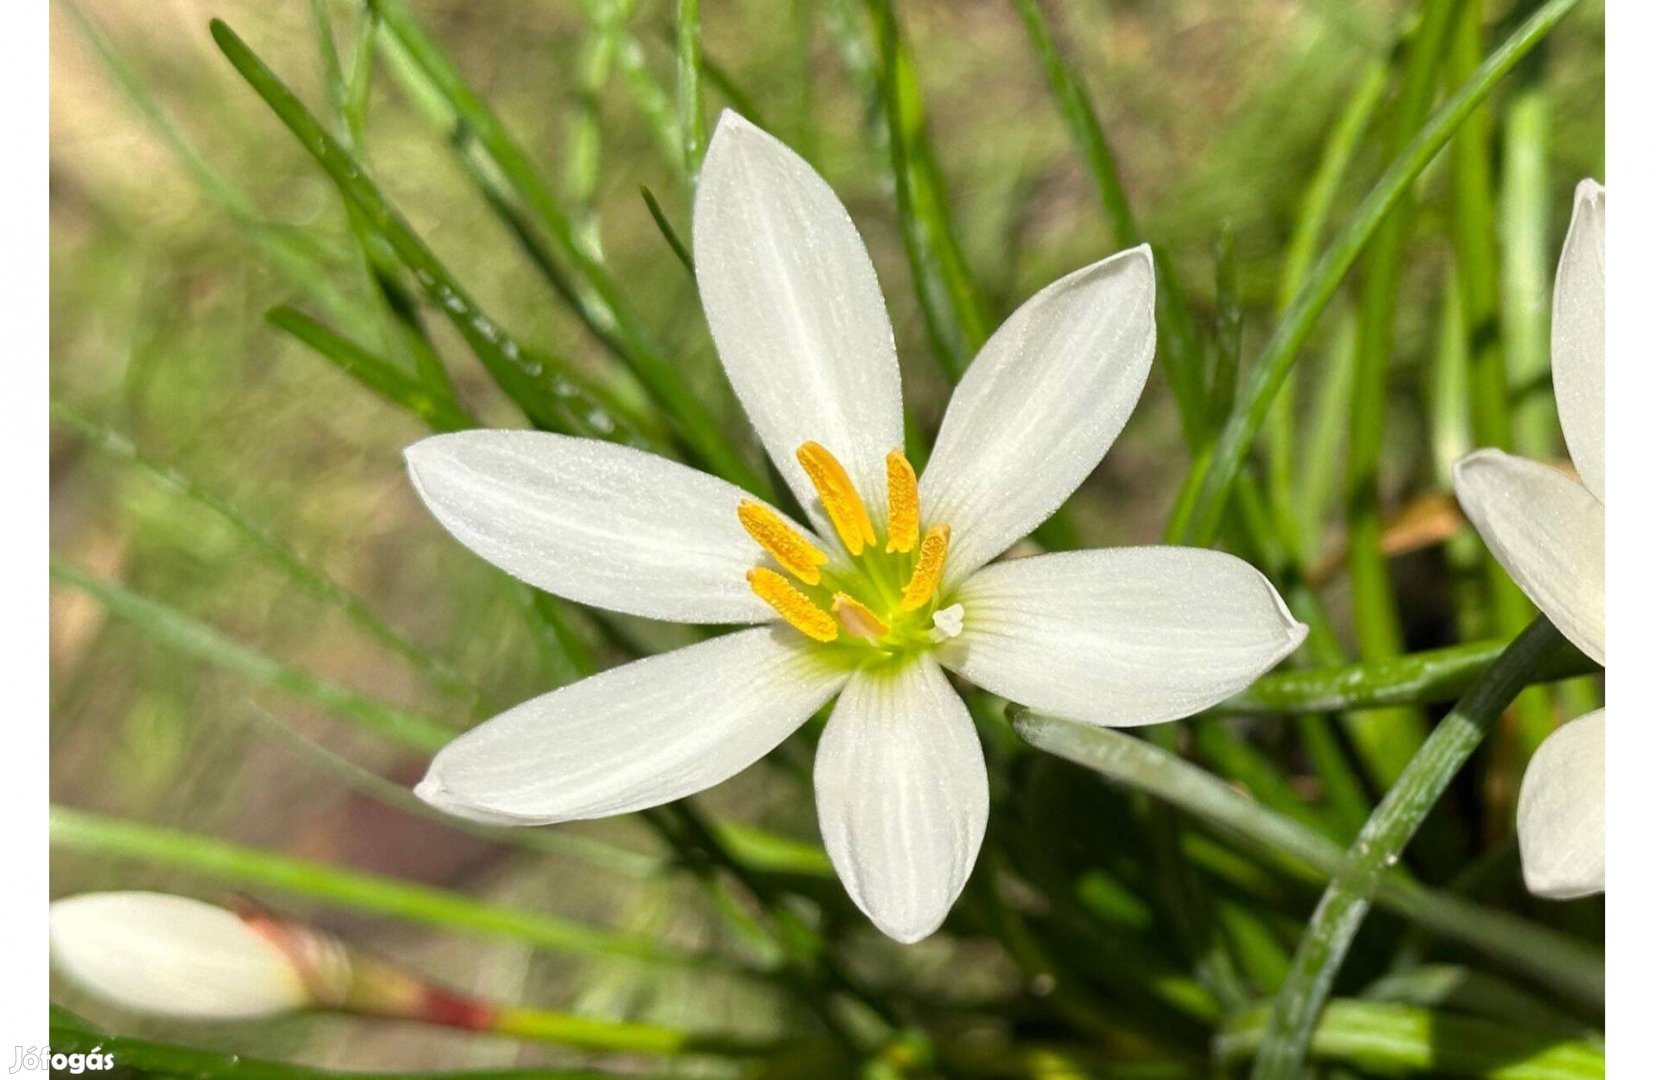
795 310
1039 407
902 796
1547 531
1561 812
594 522
635 736
1578 336
1121 637
171 956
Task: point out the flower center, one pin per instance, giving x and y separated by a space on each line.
886 598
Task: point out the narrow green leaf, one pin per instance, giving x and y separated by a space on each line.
1527 259
176 630
1420 678
667 231
950 301
1227 350
311 579
376 373
1182 351
1315 207
1477 272
235 864
1386 740
691 121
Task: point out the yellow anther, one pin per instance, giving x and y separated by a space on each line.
857 619
903 499
794 606
839 497
928 571
796 554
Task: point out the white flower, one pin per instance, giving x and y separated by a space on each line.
1547 530
172 956
888 586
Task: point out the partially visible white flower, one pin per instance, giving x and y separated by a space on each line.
172 956
1547 529
889 586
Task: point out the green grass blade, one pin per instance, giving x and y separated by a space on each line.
1325 436
956 318
249 867
1420 678
691 121
374 372
1387 739
654 103
311 579
1399 1039
668 233
1207 489
1477 271
176 630
1182 350
549 391
1549 958
1346 902
1314 210
1227 348
1527 261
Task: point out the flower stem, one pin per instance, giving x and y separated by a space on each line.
1354 887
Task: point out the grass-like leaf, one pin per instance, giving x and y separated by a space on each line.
248 867
179 631
1419 678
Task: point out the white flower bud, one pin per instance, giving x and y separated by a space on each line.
172 956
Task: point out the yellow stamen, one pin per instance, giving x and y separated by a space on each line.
794 606
838 495
903 498
857 619
928 571
796 554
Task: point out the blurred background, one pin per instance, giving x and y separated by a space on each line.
190 698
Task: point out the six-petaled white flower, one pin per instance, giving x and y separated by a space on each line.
891 582
1547 530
